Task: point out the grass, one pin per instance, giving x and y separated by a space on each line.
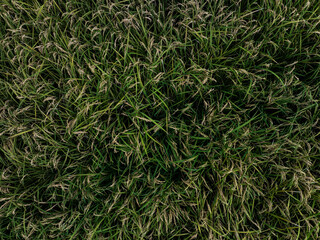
159 119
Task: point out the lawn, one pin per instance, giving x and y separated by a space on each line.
159 119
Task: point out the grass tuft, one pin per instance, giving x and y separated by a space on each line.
159 119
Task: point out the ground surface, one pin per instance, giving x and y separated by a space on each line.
159 119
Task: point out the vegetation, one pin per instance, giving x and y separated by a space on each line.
159 119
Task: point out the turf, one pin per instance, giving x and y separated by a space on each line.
159 119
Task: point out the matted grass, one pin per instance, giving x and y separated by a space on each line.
159 119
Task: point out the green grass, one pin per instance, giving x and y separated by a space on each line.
159 119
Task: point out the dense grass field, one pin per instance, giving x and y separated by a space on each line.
163 119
